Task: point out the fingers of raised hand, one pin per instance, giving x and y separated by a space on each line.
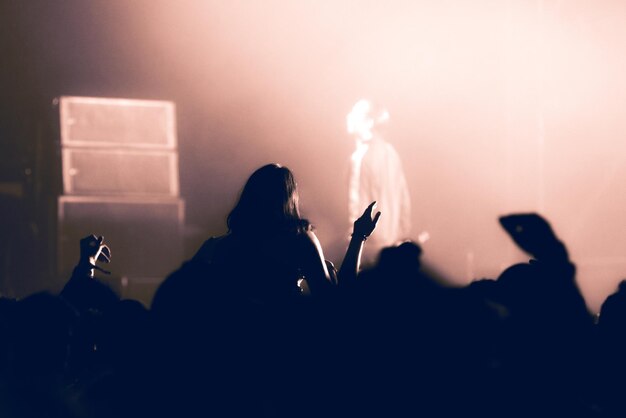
366 224
375 221
93 247
105 253
371 223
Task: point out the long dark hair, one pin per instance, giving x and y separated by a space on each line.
268 203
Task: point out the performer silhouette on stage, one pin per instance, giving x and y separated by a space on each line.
376 175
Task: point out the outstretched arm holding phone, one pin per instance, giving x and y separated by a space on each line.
534 235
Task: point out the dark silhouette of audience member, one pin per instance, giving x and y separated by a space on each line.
230 334
238 303
270 247
548 328
82 291
611 353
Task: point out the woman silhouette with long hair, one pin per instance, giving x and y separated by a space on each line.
269 247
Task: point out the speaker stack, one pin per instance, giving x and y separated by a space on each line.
119 164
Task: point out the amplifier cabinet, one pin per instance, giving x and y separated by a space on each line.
104 122
120 172
145 235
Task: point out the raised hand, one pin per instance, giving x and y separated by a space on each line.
93 249
533 234
365 225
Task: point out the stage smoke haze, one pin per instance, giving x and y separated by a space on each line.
496 107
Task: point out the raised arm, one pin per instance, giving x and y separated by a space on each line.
314 266
363 227
92 250
83 291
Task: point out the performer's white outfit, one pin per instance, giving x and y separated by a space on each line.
376 175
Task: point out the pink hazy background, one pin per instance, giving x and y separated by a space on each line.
496 107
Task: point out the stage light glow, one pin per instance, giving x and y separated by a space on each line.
363 117
423 237
358 121
498 106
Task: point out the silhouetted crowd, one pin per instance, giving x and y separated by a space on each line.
243 330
